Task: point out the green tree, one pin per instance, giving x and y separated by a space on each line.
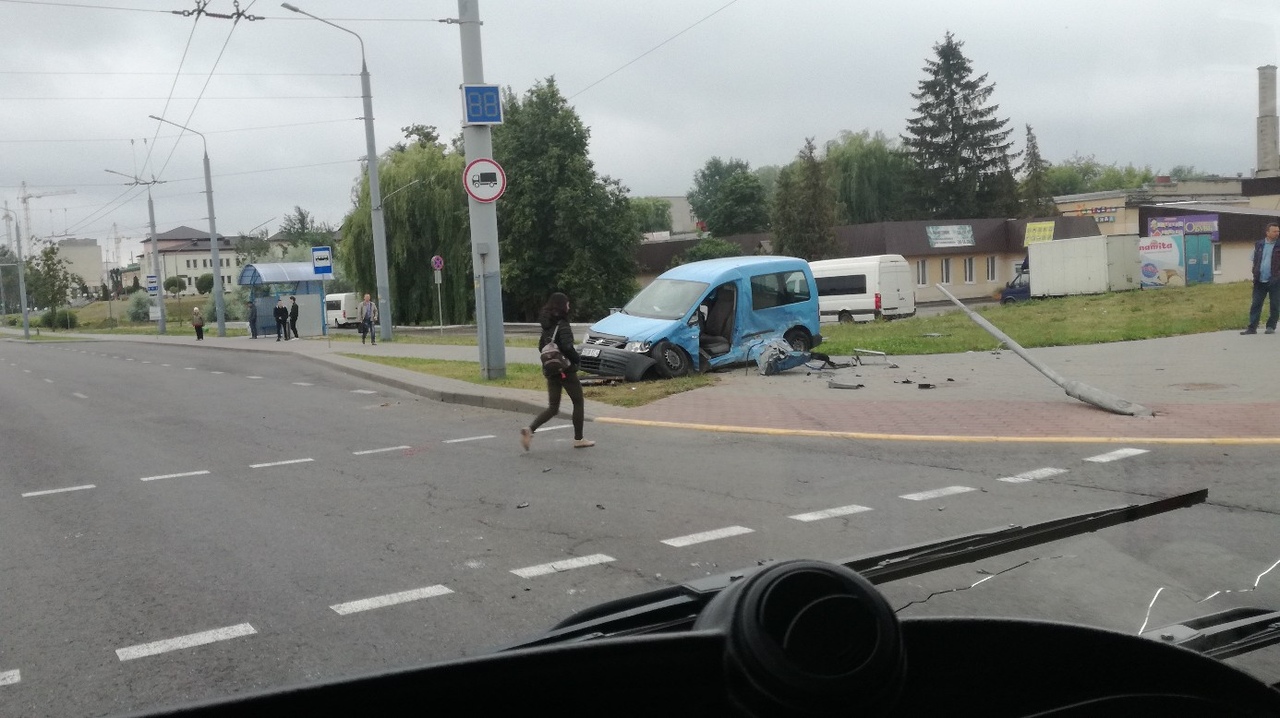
9 280
425 217
204 283
707 248
252 247
706 183
1034 189
739 207
48 281
768 176
302 230
139 309
562 226
804 208
420 135
870 174
653 214
959 148
1086 174
174 285
135 286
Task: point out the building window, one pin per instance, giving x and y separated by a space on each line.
991 269
968 270
237 261
1217 258
946 270
922 272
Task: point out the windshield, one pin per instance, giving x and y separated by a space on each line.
195 505
666 299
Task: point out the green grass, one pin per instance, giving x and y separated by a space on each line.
529 376
1093 319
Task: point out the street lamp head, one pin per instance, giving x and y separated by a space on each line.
289 7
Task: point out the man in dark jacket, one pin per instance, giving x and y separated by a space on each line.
1266 280
253 319
293 316
281 316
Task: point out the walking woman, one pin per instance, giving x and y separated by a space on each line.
554 319
197 321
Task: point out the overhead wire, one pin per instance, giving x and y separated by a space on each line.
655 47
211 132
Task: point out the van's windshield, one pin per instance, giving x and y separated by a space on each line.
666 299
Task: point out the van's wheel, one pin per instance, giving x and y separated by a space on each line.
846 318
671 361
799 340
1008 300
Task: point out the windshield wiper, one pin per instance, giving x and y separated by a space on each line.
1225 634
674 608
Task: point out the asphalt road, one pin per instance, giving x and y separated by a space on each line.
179 523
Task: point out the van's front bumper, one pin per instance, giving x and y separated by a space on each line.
614 362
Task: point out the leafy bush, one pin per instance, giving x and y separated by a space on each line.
139 309
59 319
204 283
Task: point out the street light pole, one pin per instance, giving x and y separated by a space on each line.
375 190
22 275
155 246
219 302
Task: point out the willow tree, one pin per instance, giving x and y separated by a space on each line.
426 215
870 174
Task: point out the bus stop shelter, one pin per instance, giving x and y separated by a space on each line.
269 283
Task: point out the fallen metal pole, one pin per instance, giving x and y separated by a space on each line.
1074 388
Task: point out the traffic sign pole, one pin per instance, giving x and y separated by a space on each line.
485 262
322 266
437 264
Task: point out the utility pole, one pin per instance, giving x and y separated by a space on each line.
26 206
155 250
478 143
22 274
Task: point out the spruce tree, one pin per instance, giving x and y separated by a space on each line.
1036 199
959 148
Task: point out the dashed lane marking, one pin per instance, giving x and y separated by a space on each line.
8 678
48 381
217 372
253 377
831 513
567 564
704 536
363 391
175 476
1033 475
1115 455
379 451
58 491
390 599
469 438
279 463
78 395
937 493
303 383
188 641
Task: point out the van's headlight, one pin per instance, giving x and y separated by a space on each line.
640 347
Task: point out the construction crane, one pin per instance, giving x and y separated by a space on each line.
26 207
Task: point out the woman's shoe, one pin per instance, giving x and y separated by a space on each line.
526 438
583 444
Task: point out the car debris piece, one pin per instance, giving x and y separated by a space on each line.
926 386
522 505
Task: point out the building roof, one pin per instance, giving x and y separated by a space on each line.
1206 208
184 232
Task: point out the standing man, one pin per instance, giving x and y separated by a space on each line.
368 315
253 319
282 320
293 316
1266 280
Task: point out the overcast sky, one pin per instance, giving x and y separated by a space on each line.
1157 83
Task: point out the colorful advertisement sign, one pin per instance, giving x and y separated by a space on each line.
1038 232
1161 252
950 235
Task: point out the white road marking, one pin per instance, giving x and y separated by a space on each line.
48 381
8 678
1033 475
707 536
175 476
26 371
189 368
217 372
469 438
565 565
146 361
253 377
936 493
58 491
391 599
78 395
129 359
379 451
1114 455
166 365
831 513
363 391
188 641
553 428
303 383
279 463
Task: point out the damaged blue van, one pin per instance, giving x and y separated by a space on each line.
704 315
